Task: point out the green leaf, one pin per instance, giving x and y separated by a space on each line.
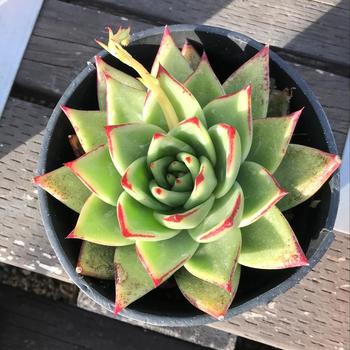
159 169
215 262
132 281
136 181
261 191
184 103
171 199
96 261
225 214
105 69
162 259
203 83
176 167
302 173
192 132
128 142
255 72
270 243
169 56
206 296
124 103
65 186
137 221
183 183
89 126
228 149
279 102
233 110
165 145
191 162
105 184
97 223
191 55
271 139
185 220
204 184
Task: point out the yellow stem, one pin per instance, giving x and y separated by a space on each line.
116 49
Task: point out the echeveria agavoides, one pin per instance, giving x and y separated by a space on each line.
185 175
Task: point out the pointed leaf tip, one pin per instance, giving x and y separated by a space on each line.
270 243
65 186
256 72
161 259
71 235
271 139
302 173
169 56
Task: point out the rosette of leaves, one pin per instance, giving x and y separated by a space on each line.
184 176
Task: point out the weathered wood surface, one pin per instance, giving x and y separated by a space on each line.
61 44
312 315
22 238
58 50
314 28
207 336
36 323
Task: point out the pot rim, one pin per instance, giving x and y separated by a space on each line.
200 319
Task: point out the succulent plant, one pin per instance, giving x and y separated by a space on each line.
184 176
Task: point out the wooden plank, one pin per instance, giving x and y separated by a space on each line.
36 323
332 91
58 50
23 241
313 28
14 37
62 42
201 335
314 315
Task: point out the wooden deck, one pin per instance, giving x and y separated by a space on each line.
311 34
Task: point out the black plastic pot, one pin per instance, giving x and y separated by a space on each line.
226 50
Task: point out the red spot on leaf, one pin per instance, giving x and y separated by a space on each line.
124 229
178 181
157 136
179 217
250 118
158 190
117 308
37 179
65 110
125 182
199 178
227 223
188 159
166 32
298 259
193 120
72 235
231 134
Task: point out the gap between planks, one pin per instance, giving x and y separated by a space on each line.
312 32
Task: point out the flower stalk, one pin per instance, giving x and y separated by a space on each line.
115 47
